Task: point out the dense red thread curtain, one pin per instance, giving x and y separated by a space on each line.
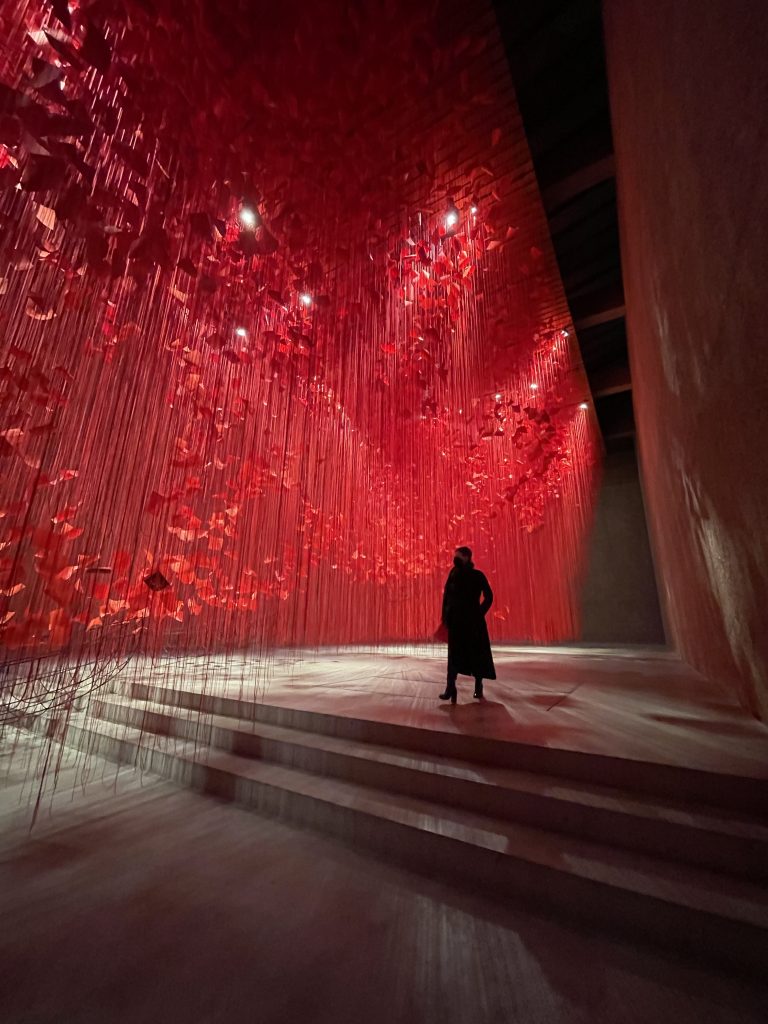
280 325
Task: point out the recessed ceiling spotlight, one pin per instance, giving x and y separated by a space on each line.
241 332
584 405
305 299
248 217
451 215
534 386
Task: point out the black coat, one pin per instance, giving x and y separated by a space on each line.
469 649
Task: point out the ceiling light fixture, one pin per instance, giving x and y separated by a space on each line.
248 217
451 215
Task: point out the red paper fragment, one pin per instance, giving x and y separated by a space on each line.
156 581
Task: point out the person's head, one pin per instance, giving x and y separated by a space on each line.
462 556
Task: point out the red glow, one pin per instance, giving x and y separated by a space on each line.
218 431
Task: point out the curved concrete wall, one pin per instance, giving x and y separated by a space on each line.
689 95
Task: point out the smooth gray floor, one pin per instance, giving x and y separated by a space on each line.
134 901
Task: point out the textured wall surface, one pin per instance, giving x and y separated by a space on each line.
688 96
620 602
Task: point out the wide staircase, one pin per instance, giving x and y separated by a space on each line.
667 855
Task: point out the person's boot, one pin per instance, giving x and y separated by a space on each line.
478 694
450 691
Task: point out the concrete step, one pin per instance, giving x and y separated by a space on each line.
728 792
729 843
685 909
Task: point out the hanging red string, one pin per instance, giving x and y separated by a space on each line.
281 326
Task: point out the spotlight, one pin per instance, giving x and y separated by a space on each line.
241 332
248 217
566 334
534 386
305 299
584 405
451 215
473 209
498 398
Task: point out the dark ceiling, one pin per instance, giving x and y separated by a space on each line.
557 58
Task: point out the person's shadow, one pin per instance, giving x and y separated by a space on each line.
493 719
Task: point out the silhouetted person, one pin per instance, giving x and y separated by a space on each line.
469 649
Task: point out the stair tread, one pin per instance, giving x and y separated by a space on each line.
170 695
587 794
737 784
695 888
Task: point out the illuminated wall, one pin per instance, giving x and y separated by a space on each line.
687 95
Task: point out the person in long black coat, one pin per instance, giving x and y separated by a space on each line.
469 648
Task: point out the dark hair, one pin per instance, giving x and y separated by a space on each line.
465 551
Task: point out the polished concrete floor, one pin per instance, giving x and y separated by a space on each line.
641 703
132 901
